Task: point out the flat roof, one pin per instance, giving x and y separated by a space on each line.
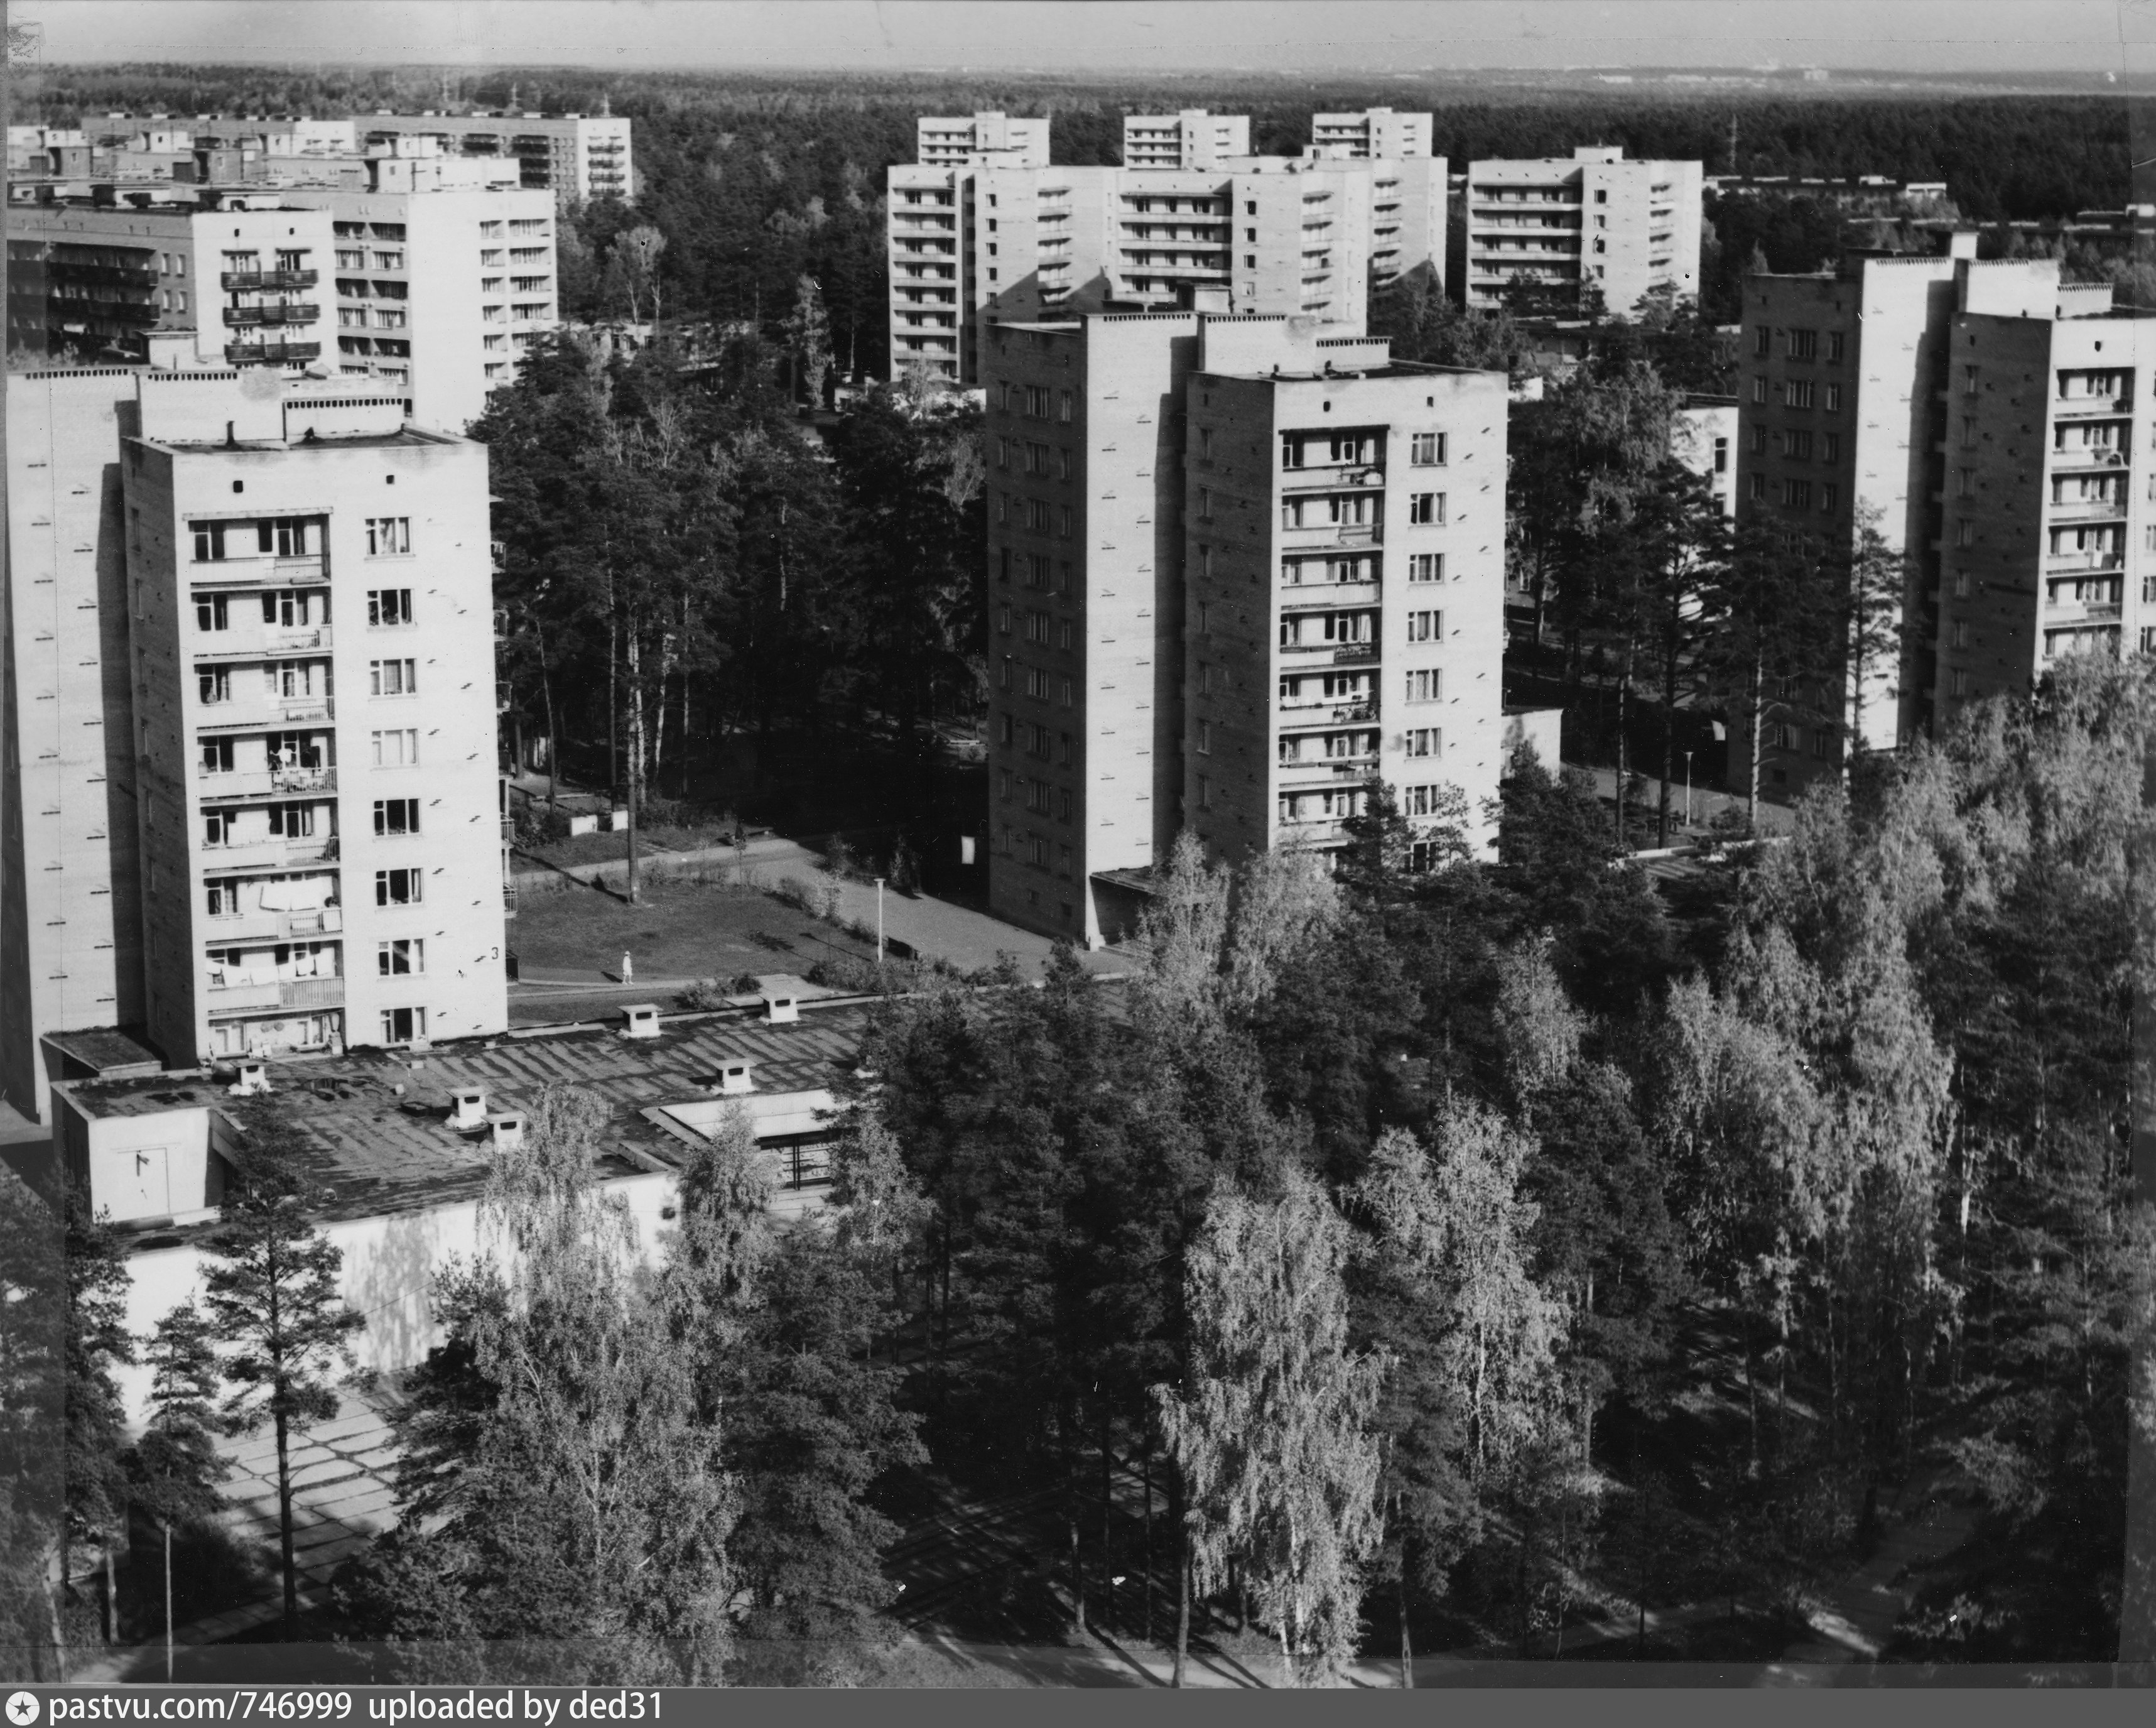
102 1047
405 436
376 1122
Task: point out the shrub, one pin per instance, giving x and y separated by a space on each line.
838 860
818 899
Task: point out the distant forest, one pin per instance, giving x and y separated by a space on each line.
755 181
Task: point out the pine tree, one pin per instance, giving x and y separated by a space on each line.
174 1470
32 1418
271 1281
97 1342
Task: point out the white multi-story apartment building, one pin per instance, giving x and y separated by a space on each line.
1191 139
1372 132
93 279
1238 566
248 797
1304 235
310 633
1980 418
575 157
443 276
1559 227
945 141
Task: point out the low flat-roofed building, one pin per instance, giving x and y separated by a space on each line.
402 1143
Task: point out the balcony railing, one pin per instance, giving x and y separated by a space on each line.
271 852
269 783
242 281
223 646
258 926
1304 537
2059 563
256 571
219 718
1325 713
301 311
271 353
1328 768
2072 407
254 996
1311 830
1299 599
1333 476
2084 509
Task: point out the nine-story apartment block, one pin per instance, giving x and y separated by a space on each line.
1560 227
1238 567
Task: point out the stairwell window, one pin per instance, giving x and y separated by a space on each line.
215 685
1426 449
1425 626
389 536
1428 507
1425 685
398 888
388 607
400 957
392 677
1426 567
1425 741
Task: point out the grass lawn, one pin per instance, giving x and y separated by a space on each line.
605 848
682 930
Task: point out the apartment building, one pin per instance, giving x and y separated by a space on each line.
93 279
1191 139
70 911
1306 235
311 635
1979 414
943 141
1557 227
1238 565
2047 541
576 156
1371 132
445 274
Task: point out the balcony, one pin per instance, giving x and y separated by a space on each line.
2078 407
2069 611
1319 535
244 281
298 311
2079 510
216 719
1311 830
2077 563
273 927
290 353
253 997
222 789
223 647
1332 477
1316 771
272 853
1330 712
259 572
1300 599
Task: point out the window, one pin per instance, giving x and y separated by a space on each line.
1959 684
1758 440
212 613
1425 741
1759 389
1422 800
1722 455
222 900
1803 344
1759 487
1798 445
1960 638
215 684
1964 533
1425 685
387 608
1797 393
292 821
1830 446
1426 449
1961 585
399 748
389 535
1426 507
1820 742
1063 409
217 756
1833 398
1204 793
1969 380
401 1025
396 816
1797 494
217 828
1425 626
1426 567
398 958
1205 504
209 542
391 677
1204 440
1781 736
1204 738
1829 497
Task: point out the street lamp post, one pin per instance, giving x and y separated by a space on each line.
1687 788
879 921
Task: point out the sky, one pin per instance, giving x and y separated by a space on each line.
1130 36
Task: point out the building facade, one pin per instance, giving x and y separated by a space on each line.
70 912
575 157
1372 132
310 634
947 142
93 279
1306 235
1556 228
1238 566
1190 139
1979 417
441 285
